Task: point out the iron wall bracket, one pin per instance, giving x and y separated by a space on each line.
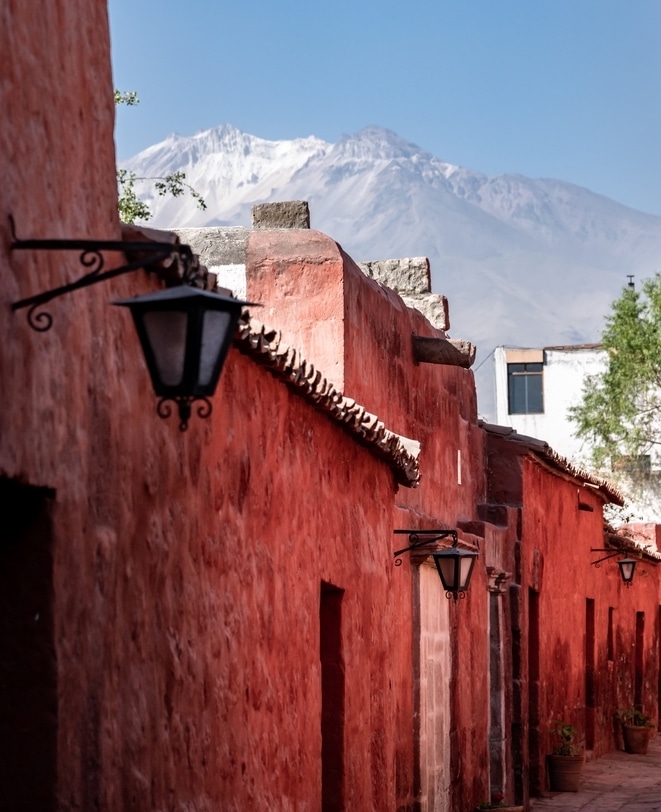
91 257
598 562
423 538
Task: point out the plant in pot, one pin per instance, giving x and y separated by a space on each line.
566 762
637 730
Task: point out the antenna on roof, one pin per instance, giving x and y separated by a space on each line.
631 284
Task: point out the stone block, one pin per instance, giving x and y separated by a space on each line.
285 214
432 306
409 275
443 351
217 245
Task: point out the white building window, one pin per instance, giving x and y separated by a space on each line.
525 388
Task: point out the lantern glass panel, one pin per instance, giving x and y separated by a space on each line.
166 331
447 570
465 567
627 566
214 329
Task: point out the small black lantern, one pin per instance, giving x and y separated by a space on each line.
454 565
627 567
455 568
185 334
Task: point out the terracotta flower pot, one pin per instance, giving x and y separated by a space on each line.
636 738
565 773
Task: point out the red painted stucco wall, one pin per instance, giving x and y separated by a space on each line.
203 592
188 652
556 564
240 633
359 334
574 625
583 644
186 569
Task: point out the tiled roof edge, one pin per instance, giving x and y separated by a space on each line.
618 539
265 347
543 450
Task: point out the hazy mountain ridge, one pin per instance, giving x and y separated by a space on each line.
527 262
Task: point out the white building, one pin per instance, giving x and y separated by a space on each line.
535 389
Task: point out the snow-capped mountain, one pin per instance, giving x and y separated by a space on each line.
523 262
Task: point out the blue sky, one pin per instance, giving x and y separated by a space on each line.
567 89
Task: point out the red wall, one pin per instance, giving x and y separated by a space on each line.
359 333
184 572
242 630
573 625
583 679
198 595
188 651
187 569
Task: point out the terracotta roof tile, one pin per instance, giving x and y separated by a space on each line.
541 449
265 347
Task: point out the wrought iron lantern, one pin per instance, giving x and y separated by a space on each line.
455 567
627 565
185 332
454 564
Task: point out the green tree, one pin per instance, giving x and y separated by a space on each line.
131 208
619 414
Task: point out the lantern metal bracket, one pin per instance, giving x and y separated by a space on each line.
423 538
91 258
454 565
627 564
598 562
184 404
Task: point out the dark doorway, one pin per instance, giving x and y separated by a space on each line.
658 654
332 699
534 731
28 675
590 681
639 661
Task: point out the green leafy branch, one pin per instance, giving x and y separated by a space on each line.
130 206
130 98
175 185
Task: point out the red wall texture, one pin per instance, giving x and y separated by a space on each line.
241 627
214 620
185 576
587 616
360 333
584 644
